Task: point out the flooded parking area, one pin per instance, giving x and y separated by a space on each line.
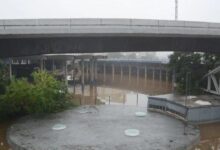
115 94
102 128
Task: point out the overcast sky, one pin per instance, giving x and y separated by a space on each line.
192 10
197 10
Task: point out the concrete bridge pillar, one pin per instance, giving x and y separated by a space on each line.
82 79
82 73
121 72
95 69
91 70
65 72
104 72
209 83
87 71
129 73
138 72
145 74
166 77
160 77
160 74
73 75
113 72
153 75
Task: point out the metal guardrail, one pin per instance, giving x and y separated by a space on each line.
202 114
167 106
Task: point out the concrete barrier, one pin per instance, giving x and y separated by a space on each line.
204 114
198 115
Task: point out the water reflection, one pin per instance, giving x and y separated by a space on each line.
119 90
140 85
122 92
118 96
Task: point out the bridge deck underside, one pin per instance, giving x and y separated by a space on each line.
12 47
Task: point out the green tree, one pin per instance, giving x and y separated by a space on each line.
191 63
4 79
44 94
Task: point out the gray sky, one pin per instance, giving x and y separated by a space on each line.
197 10
192 10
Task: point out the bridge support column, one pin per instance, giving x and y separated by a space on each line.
166 78
113 72
87 71
153 75
121 72
138 72
82 80
96 70
91 71
66 72
73 74
145 74
173 81
160 76
104 72
129 73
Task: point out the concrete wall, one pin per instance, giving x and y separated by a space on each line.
169 106
204 114
140 27
197 115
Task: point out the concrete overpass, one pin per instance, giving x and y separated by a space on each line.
41 36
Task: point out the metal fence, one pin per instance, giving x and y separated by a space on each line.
202 114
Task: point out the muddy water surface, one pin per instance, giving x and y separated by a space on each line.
209 137
124 92
3 129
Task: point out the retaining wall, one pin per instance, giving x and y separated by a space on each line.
198 115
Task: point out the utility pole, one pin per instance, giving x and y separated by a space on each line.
176 9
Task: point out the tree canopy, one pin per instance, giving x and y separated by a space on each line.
196 65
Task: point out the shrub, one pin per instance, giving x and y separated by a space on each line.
44 95
17 97
48 94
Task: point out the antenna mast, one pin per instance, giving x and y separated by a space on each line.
176 9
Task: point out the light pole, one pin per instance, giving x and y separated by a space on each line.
176 9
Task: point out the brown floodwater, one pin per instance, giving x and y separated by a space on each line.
124 92
3 129
209 137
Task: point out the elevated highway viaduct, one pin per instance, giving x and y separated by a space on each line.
42 36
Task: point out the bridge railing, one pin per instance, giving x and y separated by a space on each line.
202 114
167 106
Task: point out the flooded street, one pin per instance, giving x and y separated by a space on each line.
121 92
